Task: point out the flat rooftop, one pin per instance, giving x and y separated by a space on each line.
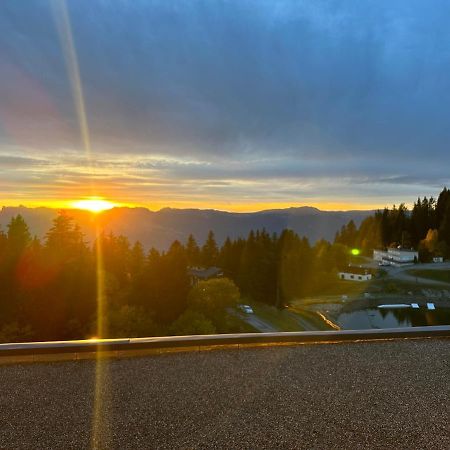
389 394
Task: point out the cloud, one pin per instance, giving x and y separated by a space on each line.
19 162
238 91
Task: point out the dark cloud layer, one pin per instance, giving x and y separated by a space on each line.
238 90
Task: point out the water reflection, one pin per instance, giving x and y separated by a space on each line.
392 318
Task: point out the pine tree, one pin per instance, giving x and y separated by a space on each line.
444 229
18 236
192 251
65 240
137 259
3 245
210 252
441 206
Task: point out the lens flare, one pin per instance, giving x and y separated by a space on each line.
100 425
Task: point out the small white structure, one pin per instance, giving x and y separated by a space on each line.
438 259
352 274
394 306
396 256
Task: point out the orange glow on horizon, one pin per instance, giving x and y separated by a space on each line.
222 206
93 204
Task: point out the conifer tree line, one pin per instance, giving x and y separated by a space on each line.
48 287
426 228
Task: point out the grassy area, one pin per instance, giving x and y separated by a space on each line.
312 317
360 259
235 324
432 274
280 319
341 287
292 319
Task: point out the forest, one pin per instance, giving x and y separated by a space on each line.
49 287
426 227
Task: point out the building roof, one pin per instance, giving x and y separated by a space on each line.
200 272
404 250
390 249
356 270
389 394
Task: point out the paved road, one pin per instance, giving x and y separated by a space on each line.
258 323
266 327
352 395
401 273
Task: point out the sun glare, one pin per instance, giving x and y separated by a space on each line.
94 205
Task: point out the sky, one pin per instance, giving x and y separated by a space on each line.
234 104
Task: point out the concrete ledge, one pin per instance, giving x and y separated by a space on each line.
30 351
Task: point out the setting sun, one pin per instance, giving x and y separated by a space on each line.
94 205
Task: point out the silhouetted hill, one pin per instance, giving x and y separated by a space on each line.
161 228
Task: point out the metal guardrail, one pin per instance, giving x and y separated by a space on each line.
217 340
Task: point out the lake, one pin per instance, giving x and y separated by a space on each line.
393 318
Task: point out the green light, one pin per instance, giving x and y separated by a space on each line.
355 251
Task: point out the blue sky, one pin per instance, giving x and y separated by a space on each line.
231 104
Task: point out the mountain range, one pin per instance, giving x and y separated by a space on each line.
160 228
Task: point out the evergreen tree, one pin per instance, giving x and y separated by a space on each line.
441 206
3 244
18 237
444 229
116 260
210 252
347 235
192 252
68 294
137 259
230 257
295 267
165 284
15 245
65 240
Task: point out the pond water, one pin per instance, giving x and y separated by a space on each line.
364 319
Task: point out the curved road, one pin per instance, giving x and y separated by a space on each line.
258 323
401 273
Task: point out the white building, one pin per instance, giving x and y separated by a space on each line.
355 274
396 256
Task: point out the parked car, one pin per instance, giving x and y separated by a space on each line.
246 308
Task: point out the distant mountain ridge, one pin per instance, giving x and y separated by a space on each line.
160 228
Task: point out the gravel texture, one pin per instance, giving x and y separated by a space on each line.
389 395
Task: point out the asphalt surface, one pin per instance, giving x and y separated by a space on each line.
391 394
401 273
258 323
